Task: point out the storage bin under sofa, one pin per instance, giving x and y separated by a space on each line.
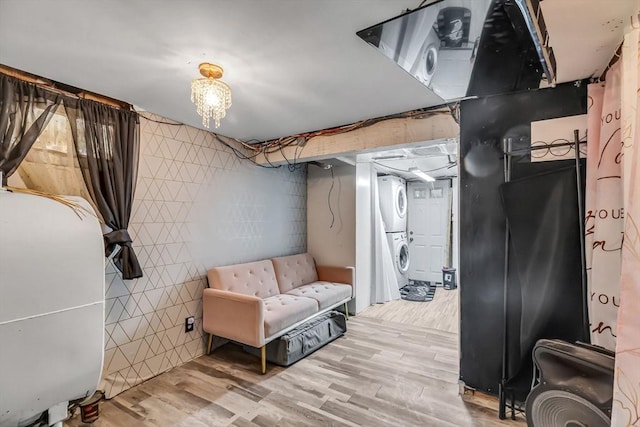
304 339
257 302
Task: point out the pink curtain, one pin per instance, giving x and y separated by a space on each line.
626 406
604 222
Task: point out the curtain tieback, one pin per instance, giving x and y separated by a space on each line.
117 237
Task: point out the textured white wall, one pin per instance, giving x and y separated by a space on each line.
196 206
248 213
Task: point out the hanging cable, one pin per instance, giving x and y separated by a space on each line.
333 217
239 154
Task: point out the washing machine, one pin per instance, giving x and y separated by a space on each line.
426 62
400 253
392 191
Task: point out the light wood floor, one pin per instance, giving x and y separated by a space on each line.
441 313
381 373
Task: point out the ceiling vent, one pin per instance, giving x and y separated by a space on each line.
435 150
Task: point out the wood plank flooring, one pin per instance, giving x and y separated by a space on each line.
381 373
441 313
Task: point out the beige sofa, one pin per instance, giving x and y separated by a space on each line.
257 302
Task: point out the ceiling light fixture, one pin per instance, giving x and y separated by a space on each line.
417 172
211 95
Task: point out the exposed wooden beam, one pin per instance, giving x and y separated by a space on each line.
386 133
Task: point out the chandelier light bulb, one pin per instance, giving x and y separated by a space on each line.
211 96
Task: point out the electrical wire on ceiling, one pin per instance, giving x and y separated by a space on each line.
302 138
163 122
277 145
265 148
455 111
292 165
449 166
239 154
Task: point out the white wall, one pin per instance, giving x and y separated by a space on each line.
455 213
365 173
332 245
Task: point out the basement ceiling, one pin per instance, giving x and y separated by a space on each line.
293 66
585 34
436 158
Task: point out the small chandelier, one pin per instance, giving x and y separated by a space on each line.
211 96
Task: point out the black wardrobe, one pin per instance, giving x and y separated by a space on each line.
540 242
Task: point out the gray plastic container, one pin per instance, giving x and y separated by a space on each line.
449 278
304 340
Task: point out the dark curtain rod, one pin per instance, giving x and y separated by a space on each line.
541 147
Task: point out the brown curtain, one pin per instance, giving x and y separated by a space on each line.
107 144
25 109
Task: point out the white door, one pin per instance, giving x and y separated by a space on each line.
428 226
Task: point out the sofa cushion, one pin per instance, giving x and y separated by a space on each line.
326 293
294 270
282 311
252 278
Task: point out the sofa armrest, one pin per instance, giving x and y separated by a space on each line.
237 317
332 274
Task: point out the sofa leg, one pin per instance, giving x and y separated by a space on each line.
263 359
346 311
209 342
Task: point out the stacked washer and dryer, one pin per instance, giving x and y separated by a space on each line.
392 192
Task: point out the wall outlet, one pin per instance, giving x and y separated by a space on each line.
188 323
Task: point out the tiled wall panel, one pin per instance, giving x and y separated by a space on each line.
196 206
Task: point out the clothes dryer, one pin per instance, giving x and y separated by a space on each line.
392 191
400 254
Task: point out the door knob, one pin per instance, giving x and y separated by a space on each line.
410 239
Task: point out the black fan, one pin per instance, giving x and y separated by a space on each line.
575 385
